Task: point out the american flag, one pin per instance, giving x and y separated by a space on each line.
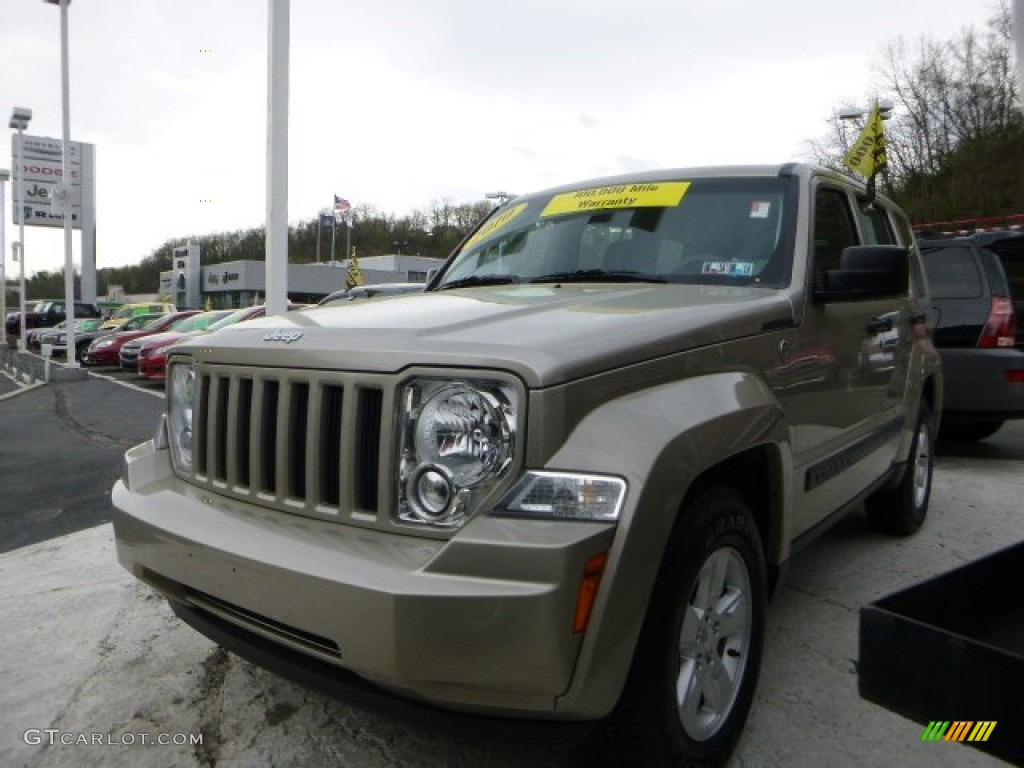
341 204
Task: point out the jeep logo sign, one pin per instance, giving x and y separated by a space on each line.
286 336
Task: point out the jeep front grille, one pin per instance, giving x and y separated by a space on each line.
311 442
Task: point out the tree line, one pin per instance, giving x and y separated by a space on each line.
955 140
433 232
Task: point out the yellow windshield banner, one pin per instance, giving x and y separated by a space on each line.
493 225
867 156
657 194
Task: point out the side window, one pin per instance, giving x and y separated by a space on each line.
952 273
833 231
874 223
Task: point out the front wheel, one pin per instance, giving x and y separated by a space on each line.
697 662
901 509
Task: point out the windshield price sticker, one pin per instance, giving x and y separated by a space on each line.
493 225
660 195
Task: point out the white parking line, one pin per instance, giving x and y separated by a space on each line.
22 388
128 384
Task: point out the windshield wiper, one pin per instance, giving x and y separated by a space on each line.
473 280
598 276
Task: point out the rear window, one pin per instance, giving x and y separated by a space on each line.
952 273
1011 254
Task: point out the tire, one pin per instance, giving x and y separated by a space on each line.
968 431
901 509
696 664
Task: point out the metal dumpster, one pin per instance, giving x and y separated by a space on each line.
949 653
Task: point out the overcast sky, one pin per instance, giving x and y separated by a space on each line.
395 103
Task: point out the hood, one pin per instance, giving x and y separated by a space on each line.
547 334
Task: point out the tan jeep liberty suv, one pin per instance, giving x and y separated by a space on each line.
557 487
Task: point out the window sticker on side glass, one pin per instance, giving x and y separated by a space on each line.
729 268
494 225
663 194
759 209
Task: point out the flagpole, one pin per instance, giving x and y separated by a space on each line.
319 226
348 236
334 226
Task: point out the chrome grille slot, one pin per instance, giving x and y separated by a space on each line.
200 425
220 434
268 437
368 463
295 460
329 452
243 434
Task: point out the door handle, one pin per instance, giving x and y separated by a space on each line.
879 324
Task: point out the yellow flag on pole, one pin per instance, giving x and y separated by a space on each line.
867 156
354 276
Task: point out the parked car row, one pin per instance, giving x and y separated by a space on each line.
145 350
106 349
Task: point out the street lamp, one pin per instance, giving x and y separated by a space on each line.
64 188
4 176
501 196
885 108
20 118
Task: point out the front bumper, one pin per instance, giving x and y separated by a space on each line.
100 357
152 368
478 623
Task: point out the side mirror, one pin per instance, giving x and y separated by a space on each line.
866 272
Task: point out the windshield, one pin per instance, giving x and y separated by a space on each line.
231 319
734 231
157 322
139 321
198 322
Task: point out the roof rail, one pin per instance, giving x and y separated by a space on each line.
962 227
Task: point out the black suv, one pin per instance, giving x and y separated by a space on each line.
977 291
46 314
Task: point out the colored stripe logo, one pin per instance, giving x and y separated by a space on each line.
958 730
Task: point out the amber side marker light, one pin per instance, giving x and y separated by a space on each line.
589 583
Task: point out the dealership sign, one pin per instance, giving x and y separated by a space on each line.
36 187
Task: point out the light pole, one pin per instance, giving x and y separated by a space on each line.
501 196
64 188
20 118
4 176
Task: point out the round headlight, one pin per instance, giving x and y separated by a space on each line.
181 399
466 431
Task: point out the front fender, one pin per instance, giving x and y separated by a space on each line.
660 440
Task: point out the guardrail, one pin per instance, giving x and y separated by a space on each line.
28 368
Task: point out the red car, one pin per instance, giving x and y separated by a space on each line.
106 350
149 355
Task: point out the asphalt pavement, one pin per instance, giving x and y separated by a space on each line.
61 449
93 657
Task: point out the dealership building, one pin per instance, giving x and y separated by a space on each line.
243 283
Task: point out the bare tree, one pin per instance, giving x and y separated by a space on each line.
946 93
